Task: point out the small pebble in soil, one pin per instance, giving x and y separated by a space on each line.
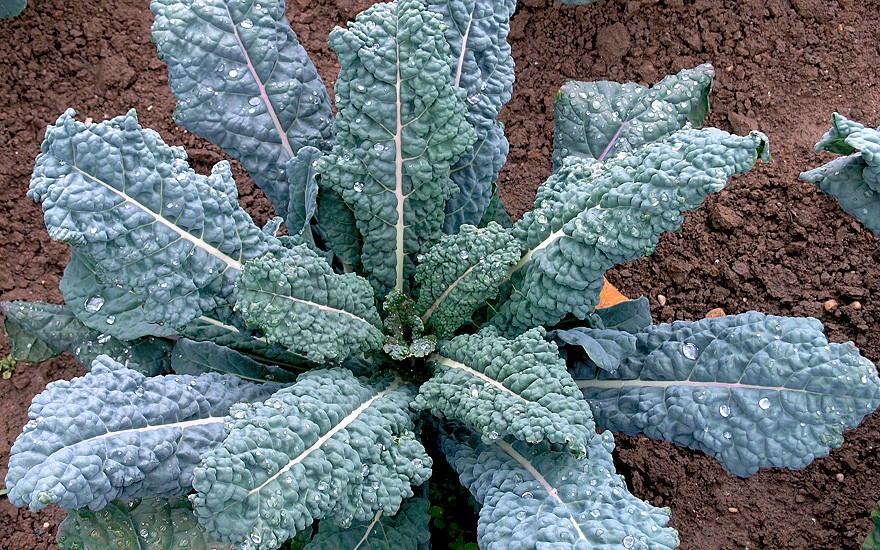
839 477
830 305
715 313
733 510
661 299
856 305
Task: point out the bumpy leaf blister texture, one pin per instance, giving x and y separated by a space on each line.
853 180
502 387
327 447
243 82
597 119
536 498
476 31
118 193
592 215
108 309
408 529
39 331
148 524
339 227
302 304
461 272
752 390
303 191
115 433
196 358
401 126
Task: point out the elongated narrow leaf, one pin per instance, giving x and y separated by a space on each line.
502 387
496 212
408 529
39 331
476 31
461 272
115 433
148 524
338 226
752 390
536 498
196 358
118 193
303 190
302 304
108 309
243 82
853 180
592 215
400 128
329 447
598 119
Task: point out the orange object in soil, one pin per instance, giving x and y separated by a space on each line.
610 296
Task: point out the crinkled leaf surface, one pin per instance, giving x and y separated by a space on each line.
243 81
39 331
400 128
330 447
408 529
338 226
536 498
302 304
136 524
118 193
195 358
108 309
461 272
598 119
501 387
115 433
476 31
853 180
303 190
752 390
592 215
603 348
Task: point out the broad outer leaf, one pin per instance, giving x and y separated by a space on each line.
476 31
461 272
303 190
592 215
108 309
502 387
400 128
118 193
195 358
39 331
303 305
148 524
327 447
115 433
243 82
408 529
536 498
853 180
752 390
598 119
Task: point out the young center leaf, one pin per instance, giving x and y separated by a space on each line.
854 180
407 529
533 497
115 433
592 215
119 194
501 387
329 447
195 358
300 303
600 119
401 125
752 390
243 81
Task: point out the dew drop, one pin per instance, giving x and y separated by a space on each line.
246 24
493 435
365 471
111 319
629 541
254 101
322 486
527 495
594 513
689 350
463 254
520 515
94 304
233 73
103 338
358 186
417 462
475 391
727 435
764 403
724 410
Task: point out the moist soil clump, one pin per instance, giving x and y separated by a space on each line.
767 242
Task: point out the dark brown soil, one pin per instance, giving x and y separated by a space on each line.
767 242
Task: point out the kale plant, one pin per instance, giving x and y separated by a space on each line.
289 385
